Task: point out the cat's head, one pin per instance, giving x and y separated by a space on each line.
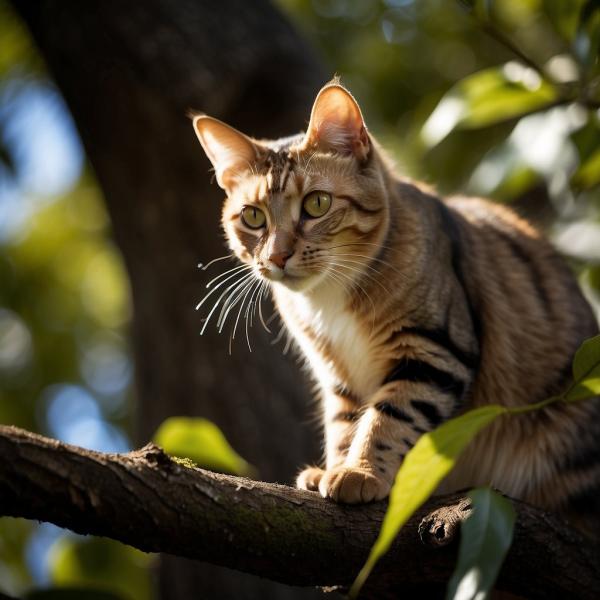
305 210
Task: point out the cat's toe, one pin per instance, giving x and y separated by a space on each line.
309 479
353 485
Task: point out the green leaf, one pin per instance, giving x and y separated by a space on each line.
592 277
436 453
586 389
101 565
15 536
588 174
587 358
586 140
564 15
484 541
201 441
424 467
500 93
586 371
488 97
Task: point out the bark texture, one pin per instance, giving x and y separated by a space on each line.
130 72
147 500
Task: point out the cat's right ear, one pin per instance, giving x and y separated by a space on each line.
336 123
229 150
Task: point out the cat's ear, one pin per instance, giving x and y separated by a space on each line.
336 124
229 150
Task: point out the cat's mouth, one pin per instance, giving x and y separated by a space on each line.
281 276
292 279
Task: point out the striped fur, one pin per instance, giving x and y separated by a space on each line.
410 309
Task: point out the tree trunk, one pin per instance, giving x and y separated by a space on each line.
130 71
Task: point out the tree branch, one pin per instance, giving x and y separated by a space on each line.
149 501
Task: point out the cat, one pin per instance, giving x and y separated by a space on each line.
409 310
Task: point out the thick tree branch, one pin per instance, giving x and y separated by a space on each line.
149 501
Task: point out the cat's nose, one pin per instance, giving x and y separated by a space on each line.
280 258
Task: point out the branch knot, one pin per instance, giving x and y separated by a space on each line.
152 454
441 527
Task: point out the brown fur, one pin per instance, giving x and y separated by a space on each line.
411 309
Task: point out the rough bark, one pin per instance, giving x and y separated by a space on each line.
149 501
130 72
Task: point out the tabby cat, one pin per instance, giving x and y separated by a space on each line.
409 310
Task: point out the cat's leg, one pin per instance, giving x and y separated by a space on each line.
396 416
341 413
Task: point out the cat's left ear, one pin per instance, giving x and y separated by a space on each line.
229 150
336 124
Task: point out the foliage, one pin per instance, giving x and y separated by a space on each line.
436 453
202 442
101 565
424 467
495 98
486 536
14 574
586 371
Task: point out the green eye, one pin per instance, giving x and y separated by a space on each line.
316 204
253 217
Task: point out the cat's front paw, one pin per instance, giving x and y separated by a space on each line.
309 479
353 485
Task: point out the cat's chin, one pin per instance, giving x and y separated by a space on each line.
296 282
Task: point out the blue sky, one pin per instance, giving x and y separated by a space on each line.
39 133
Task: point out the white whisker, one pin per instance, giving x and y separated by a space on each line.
346 264
279 335
288 345
353 282
214 260
383 262
233 299
260 315
255 307
216 304
241 307
356 262
248 308
209 294
255 303
364 244
232 270
240 297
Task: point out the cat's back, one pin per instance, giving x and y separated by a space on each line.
532 318
532 314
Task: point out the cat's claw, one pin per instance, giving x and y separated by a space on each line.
309 479
353 485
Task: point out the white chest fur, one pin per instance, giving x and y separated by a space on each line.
335 344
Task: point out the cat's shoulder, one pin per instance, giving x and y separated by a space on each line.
474 211
483 213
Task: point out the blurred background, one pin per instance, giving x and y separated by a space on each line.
500 99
